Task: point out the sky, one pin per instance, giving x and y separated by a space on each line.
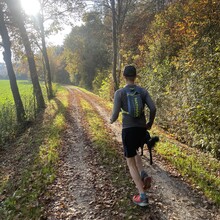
59 37
56 39
31 8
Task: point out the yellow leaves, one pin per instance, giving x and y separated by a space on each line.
135 57
155 70
141 47
59 121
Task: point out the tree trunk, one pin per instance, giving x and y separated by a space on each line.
119 31
15 9
115 46
46 59
20 113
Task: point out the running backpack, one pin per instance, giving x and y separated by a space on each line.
135 103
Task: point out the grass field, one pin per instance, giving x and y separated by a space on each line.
7 108
25 89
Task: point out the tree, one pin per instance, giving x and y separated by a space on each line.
56 11
57 64
7 58
16 12
45 55
86 50
118 11
114 45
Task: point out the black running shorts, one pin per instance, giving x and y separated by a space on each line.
132 139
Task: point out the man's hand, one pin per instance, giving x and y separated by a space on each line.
148 126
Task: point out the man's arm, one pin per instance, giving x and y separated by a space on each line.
116 107
150 104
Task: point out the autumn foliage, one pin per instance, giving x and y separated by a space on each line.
178 59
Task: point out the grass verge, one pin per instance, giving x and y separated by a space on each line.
198 168
22 197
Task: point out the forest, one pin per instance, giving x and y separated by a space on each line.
174 45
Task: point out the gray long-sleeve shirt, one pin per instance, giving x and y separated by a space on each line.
120 102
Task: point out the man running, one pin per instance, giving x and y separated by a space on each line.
134 132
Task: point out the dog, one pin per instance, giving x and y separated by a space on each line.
150 142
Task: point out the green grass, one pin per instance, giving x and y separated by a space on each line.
25 89
8 129
26 92
198 168
23 203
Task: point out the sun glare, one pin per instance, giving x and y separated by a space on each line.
31 7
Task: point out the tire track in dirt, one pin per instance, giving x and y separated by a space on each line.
76 192
173 196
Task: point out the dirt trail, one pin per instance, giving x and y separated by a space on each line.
76 192
170 197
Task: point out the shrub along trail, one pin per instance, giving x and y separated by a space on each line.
88 187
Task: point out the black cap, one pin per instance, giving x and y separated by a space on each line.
129 71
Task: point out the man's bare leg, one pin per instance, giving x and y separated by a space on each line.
146 180
139 163
135 174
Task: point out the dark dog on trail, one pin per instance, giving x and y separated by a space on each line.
150 142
